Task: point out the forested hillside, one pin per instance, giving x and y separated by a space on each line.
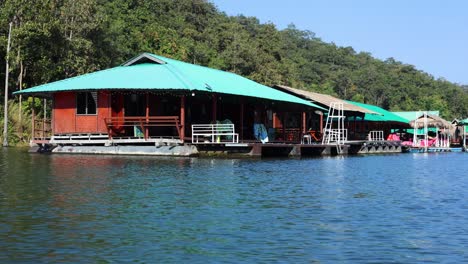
55 39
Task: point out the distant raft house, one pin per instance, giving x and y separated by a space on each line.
361 121
153 105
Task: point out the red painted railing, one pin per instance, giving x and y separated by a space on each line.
116 124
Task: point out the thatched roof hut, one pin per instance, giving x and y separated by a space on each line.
432 121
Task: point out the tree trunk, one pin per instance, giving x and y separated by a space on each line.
5 116
20 112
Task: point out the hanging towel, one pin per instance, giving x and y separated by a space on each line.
260 132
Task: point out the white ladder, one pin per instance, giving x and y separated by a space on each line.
337 134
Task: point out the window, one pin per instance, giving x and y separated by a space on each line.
86 103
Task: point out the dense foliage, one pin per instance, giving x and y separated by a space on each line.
55 39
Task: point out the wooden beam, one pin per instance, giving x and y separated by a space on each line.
182 118
304 122
321 123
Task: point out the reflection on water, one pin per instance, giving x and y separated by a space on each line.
78 208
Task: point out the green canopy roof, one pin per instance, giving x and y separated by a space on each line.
385 116
463 122
412 115
420 131
152 72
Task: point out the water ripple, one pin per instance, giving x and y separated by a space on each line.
373 209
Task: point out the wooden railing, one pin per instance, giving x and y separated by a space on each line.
288 134
41 129
116 124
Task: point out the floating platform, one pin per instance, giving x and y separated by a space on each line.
175 150
431 149
164 147
374 147
297 150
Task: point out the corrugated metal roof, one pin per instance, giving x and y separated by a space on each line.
385 116
152 72
323 99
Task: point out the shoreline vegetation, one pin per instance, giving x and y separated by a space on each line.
54 40
19 122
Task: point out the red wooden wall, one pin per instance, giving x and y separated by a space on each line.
65 119
103 111
64 112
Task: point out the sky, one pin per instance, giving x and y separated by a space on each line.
431 35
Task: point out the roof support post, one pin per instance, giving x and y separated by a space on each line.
182 118
45 108
147 116
214 107
52 117
321 123
464 137
33 120
354 125
242 120
304 122
44 117
276 120
283 118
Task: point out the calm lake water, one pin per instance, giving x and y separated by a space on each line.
408 208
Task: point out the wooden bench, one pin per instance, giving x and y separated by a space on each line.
143 122
214 132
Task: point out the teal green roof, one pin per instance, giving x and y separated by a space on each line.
419 130
412 115
463 122
152 72
385 116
